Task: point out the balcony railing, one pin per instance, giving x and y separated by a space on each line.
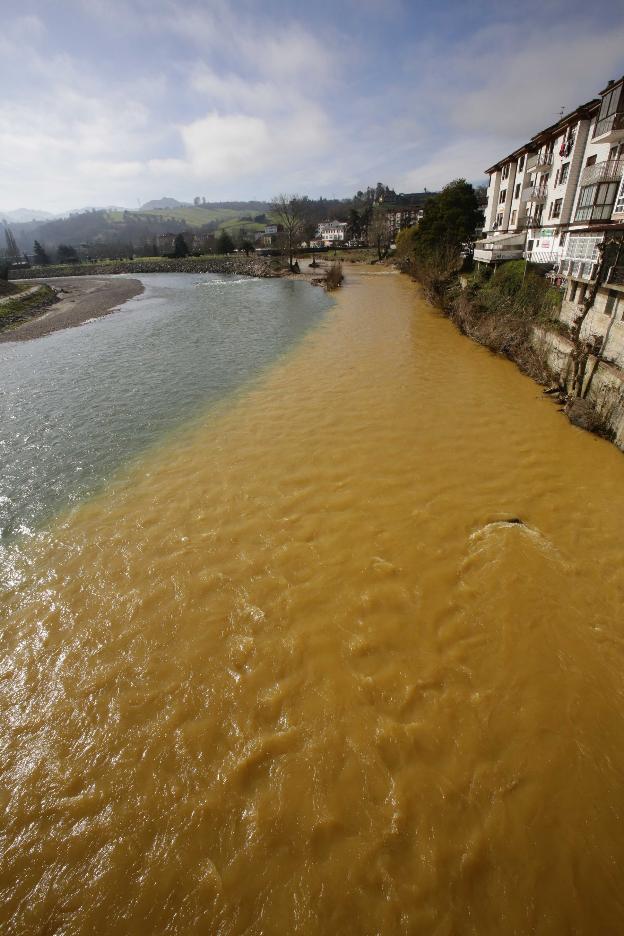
611 124
489 251
543 256
610 170
614 124
534 193
544 160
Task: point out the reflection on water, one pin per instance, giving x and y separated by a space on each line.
299 673
76 404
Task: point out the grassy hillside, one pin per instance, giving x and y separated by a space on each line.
136 227
191 216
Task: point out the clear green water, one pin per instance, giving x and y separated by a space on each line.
75 405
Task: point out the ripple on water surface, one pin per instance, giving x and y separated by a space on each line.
298 673
78 403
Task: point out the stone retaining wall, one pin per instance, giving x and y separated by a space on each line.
606 393
242 266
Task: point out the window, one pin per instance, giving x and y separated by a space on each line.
582 248
563 173
517 191
521 164
596 202
610 103
619 201
591 160
513 216
612 303
505 171
555 208
499 219
502 196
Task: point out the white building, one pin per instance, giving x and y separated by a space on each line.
554 200
330 232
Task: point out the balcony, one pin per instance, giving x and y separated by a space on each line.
506 247
544 160
549 255
609 129
534 193
610 170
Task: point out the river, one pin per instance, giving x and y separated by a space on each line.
286 666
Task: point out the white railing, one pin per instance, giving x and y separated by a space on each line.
534 193
609 170
544 159
543 256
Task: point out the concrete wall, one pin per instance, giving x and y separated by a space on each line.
607 388
492 205
609 326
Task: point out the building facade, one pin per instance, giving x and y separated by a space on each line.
331 232
557 199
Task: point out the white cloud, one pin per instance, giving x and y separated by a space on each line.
237 100
232 92
219 145
464 158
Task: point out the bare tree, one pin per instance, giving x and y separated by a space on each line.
582 349
379 232
289 211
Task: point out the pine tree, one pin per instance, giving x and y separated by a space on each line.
40 256
180 247
225 244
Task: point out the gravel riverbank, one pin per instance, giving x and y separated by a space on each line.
80 299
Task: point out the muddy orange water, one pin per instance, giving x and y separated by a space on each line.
294 673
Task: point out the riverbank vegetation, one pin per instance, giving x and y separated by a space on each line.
512 309
496 308
501 311
25 304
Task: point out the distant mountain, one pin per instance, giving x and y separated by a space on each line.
24 215
163 203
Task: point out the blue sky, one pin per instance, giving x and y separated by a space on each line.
119 101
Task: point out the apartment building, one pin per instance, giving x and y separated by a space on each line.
399 217
555 200
531 192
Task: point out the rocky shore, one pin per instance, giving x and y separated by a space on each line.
242 266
